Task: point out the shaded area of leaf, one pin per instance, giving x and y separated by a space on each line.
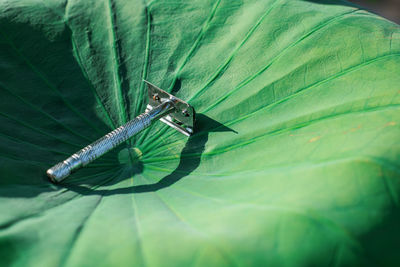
189 161
40 88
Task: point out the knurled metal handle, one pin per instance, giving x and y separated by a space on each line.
98 148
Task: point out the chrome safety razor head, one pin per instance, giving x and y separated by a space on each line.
181 118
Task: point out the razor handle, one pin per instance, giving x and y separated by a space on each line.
63 169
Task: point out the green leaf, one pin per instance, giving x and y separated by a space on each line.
296 156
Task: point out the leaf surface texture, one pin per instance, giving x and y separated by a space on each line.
296 156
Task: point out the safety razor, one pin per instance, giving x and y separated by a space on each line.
162 106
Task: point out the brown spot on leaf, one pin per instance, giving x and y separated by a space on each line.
314 139
355 129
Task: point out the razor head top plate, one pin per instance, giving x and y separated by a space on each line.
181 119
